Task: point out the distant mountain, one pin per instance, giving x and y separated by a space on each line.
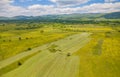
114 15
79 16
3 18
76 16
22 17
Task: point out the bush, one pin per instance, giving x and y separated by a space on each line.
20 38
19 63
27 38
29 49
53 48
68 54
42 31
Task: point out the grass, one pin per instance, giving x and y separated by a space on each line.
89 29
11 65
12 45
61 60
105 64
18 50
46 66
65 52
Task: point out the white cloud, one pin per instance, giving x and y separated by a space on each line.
38 6
25 0
93 8
110 1
7 9
64 3
100 8
28 0
4 4
6 1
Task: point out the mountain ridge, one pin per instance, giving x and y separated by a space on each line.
74 16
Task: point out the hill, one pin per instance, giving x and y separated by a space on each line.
76 16
115 15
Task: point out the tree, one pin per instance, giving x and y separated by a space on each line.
19 63
10 40
27 38
68 54
42 31
29 48
20 38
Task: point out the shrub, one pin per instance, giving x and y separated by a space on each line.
42 31
29 49
68 54
19 63
20 38
52 48
27 38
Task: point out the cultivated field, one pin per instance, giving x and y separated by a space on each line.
60 51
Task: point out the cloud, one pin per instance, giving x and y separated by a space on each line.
100 8
25 0
7 9
64 3
38 6
4 4
28 0
93 8
6 1
110 1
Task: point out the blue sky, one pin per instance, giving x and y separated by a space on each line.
25 3
45 7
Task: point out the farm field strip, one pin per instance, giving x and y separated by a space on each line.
61 71
80 44
91 29
37 66
31 64
64 44
55 67
14 46
17 57
11 60
74 70
71 46
74 46
44 67
76 41
71 39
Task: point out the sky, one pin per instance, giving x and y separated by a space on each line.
11 8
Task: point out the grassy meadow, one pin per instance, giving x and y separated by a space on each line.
59 50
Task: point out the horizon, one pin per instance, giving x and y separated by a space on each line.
55 14
10 8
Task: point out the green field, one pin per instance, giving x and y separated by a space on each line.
58 50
